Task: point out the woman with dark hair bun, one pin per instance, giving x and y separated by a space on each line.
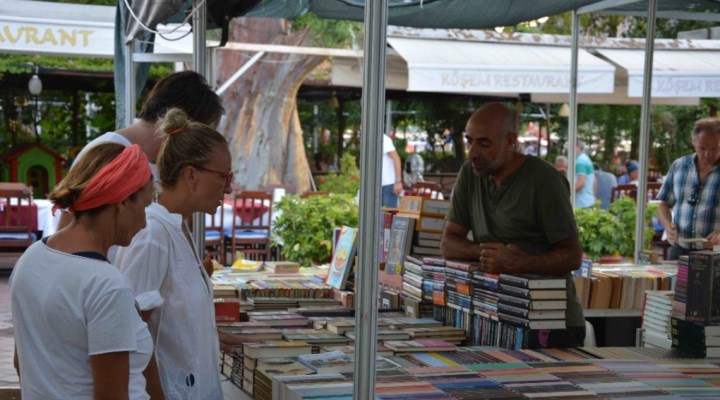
78 332
195 171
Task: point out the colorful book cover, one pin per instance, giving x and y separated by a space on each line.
342 258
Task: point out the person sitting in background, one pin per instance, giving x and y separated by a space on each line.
622 175
561 164
605 182
78 334
195 173
633 171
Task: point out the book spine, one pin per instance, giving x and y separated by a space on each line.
715 288
699 287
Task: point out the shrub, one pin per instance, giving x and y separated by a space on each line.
304 227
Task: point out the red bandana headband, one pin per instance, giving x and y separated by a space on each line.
116 181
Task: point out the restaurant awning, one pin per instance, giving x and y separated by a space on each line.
689 72
459 66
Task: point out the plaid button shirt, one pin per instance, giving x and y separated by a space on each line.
697 220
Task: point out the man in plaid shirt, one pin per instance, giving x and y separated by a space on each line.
690 195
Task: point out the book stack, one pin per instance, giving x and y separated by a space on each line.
680 300
447 333
695 339
264 370
530 302
253 353
330 362
417 288
384 335
459 288
281 267
656 318
316 337
703 292
284 319
419 346
433 271
430 224
485 304
380 350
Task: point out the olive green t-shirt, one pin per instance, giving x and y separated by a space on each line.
531 209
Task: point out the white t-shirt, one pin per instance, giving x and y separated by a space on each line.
115 137
160 258
66 308
388 167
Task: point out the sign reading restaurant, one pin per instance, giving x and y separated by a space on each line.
93 40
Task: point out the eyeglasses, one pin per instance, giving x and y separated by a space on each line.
695 195
227 175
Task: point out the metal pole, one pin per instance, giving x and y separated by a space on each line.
646 110
200 66
373 102
130 89
572 118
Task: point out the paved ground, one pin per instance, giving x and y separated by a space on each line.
9 382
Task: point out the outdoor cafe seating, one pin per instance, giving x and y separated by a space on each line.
250 226
18 219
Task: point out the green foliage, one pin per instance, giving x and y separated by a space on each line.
329 32
346 181
305 226
611 231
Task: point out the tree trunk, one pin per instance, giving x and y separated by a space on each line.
261 121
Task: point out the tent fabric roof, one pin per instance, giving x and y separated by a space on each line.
479 67
676 73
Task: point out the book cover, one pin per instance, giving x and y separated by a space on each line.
401 235
533 281
434 207
700 282
276 349
342 258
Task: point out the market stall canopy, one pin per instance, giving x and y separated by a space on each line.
507 65
677 72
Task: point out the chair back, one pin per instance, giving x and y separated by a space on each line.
215 235
18 218
251 224
629 190
653 189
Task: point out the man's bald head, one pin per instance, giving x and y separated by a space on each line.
497 115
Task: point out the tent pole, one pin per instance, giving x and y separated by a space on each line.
641 199
366 283
200 65
130 90
572 119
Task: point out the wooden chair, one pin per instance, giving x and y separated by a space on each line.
18 219
251 225
653 189
629 190
215 236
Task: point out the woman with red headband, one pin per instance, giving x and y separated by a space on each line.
194 165
78 333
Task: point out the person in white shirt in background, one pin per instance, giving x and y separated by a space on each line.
391 181
195 170
78 332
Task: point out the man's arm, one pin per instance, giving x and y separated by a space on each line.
455 244
397 187
665 218
565 256
580 182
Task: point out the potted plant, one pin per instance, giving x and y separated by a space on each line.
304 227
346 181
611 232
